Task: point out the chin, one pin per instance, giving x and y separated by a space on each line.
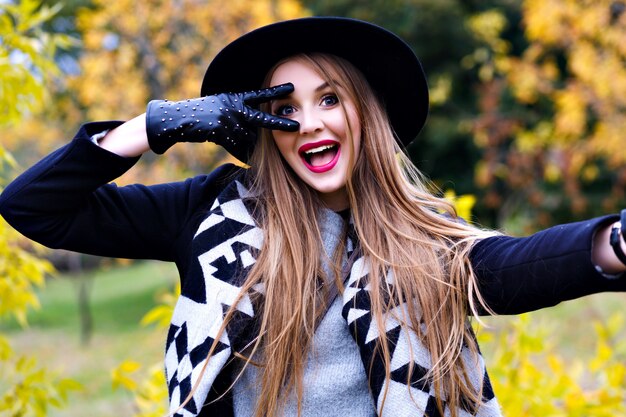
327 188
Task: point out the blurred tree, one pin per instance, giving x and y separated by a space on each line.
133 52
26 62
553 114
26 58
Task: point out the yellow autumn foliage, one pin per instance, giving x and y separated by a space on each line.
147 384
133 52
26 63
591 91
531 378
553 109
463 204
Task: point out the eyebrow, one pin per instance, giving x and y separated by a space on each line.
322 86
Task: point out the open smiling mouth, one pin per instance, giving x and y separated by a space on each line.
320 156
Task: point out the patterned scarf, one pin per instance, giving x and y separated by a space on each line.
223 251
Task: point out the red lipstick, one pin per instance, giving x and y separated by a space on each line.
318 169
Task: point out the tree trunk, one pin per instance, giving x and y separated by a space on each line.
84 307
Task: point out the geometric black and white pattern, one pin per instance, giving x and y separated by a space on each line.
407 353
223 250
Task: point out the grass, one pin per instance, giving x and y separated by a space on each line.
120 296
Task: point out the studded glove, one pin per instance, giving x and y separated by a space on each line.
227 119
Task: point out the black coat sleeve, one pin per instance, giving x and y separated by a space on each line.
517 275
66 201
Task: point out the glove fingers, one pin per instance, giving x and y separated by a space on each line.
258 118
268 121
254 98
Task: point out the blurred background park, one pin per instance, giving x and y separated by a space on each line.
526 130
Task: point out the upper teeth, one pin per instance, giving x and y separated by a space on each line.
318 149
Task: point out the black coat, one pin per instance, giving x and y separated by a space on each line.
66 201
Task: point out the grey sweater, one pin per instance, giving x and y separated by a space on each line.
335 383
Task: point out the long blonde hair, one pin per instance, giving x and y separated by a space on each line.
426 252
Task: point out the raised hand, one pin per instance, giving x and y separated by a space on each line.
230 120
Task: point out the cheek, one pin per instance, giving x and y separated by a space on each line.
284 142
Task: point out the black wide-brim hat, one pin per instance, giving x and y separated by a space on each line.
388 63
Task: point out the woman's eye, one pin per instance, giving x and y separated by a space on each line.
284 110
330 100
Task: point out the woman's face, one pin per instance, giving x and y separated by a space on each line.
319 152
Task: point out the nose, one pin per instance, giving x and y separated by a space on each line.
310 121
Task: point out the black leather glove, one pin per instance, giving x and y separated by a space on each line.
226 119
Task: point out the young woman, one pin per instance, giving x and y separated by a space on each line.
324 279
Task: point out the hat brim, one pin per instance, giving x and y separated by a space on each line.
388 63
